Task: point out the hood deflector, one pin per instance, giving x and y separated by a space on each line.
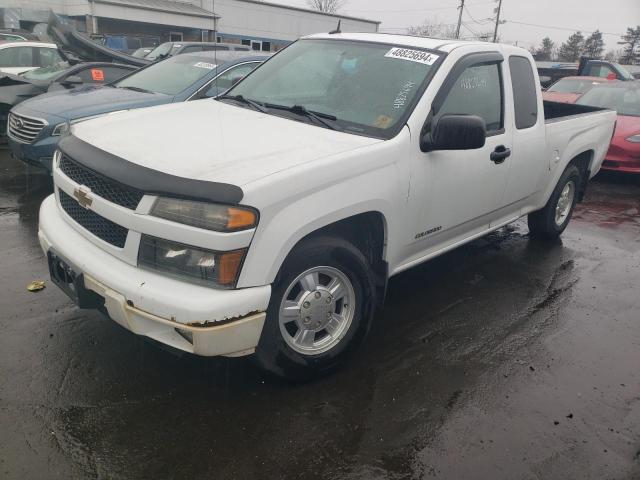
146 179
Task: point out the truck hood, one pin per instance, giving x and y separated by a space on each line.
91 100
214 141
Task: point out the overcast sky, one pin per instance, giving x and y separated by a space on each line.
554 16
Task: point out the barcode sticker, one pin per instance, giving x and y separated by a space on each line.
208 66
419 56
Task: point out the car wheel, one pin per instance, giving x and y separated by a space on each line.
551 221
321 307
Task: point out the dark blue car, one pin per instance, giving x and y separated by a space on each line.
35 125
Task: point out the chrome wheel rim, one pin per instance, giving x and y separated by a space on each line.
317 310
565 202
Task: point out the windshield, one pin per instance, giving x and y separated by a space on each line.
572 85
170 76
626 101
369 88
161 50
623 72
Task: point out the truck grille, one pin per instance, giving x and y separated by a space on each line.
25 129
96 224
108 189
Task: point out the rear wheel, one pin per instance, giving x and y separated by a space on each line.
551 221
320 310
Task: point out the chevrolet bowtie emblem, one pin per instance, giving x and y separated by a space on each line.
83 196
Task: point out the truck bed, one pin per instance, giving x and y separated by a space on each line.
554 111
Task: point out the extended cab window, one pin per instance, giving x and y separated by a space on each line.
525 92
477 91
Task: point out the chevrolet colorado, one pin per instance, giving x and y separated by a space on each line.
268 221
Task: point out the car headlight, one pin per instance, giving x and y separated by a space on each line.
60 129
210 216
192 264
634 138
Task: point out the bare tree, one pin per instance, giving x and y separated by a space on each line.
326 6
433 28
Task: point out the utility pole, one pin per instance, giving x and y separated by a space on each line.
495 31
461 7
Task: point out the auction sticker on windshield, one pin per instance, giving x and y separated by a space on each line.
418 56
208 66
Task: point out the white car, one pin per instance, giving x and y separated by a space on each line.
18 57
269 221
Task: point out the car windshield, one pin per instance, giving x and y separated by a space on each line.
170 76
626 101
359 87
623 72
161 50
572 85
45 73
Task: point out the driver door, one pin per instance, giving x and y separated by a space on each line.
457 193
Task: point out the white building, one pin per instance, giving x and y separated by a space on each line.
263 25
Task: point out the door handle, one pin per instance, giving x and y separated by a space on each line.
500 154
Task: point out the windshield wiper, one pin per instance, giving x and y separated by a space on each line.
302 110
246 101
136 89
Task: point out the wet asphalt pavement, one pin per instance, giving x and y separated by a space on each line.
505 359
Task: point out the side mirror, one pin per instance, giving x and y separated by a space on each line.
72 80
455 132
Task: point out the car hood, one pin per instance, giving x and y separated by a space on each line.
69 40
12 94
91 100
214 141
561 97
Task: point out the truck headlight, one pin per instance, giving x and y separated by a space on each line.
192 264
634 138
60 129
210 216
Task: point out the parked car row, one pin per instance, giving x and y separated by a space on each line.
28 69
35 126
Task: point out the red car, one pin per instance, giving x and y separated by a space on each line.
624 97
569 89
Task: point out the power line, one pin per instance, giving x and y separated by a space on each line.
561 28
473 19
403 10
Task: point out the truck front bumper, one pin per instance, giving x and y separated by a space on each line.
191 318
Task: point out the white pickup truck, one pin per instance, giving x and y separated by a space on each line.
270 220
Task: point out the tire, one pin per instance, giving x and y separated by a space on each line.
288 346
549 222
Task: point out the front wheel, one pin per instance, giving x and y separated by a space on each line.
320 309
551 221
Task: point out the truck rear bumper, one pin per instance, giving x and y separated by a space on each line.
191 318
